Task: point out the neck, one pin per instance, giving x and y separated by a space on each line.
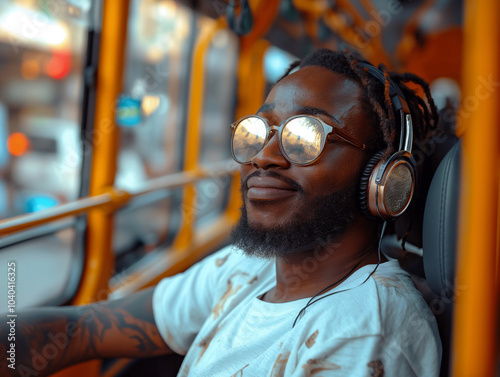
302 275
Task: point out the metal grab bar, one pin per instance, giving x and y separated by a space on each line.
219 169
57 212
115 198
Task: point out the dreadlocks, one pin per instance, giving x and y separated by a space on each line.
376 99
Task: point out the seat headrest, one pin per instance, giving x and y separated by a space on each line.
439 234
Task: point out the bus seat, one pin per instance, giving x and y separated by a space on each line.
439 239
423 239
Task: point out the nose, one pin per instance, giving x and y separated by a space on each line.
270 155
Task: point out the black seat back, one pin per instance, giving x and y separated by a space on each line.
439 238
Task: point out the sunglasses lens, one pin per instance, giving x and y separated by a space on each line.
302 139
248 139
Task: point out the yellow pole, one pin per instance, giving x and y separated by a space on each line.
99 255
475 323
193 134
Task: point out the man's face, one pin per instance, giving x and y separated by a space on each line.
287 207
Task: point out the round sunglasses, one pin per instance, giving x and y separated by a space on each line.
302 138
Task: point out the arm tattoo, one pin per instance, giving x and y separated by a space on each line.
49 339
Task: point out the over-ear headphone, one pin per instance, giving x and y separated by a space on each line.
387 185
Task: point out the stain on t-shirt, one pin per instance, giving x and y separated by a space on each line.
232 289
220 261
205 343
280 364
314 366
312 339
377 368
390 282
240 372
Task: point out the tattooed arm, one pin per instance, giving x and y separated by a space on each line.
49 339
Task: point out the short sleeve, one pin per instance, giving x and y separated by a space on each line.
182 303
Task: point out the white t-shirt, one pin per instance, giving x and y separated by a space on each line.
212 313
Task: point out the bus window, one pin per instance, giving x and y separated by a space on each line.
48 263
159 44
42 52
42 46
218 113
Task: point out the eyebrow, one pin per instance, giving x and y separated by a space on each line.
315 111
308 110
266 107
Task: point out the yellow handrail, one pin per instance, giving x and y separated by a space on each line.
116 198
60 211
218 169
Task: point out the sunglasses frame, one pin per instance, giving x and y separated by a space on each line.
327 129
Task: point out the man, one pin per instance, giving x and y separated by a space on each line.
304 290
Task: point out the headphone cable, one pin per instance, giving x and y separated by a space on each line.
310 302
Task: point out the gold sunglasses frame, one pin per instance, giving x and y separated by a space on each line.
327 129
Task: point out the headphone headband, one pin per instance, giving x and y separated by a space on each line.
400 106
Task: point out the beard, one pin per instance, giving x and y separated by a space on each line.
329 217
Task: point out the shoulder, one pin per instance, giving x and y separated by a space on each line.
387 304
408 325
381 319
400 303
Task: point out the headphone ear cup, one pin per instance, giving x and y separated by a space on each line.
394 192
387 185
364 184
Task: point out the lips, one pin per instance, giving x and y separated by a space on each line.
269 188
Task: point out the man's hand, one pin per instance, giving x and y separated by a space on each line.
49 339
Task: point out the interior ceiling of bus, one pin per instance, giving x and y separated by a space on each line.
420 36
